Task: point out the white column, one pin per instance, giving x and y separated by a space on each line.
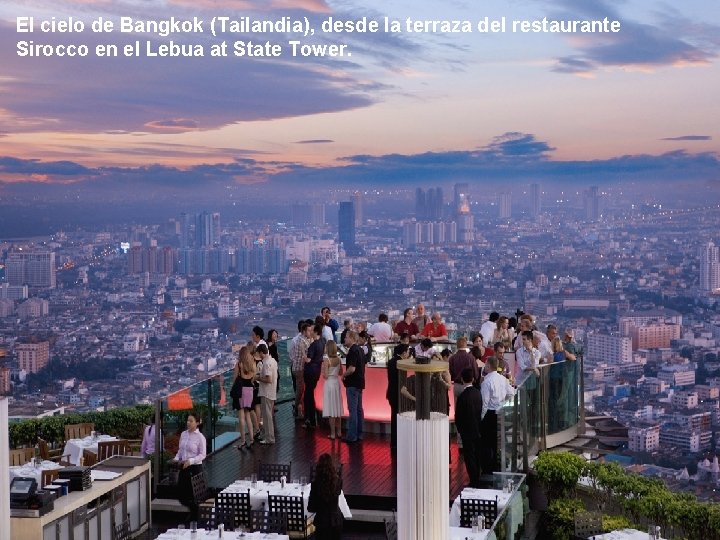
423 489
4 471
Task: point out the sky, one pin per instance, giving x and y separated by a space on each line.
418 107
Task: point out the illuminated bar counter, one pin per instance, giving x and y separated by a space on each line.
375 404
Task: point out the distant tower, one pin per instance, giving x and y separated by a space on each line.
317 214
434 203
535 205
420 204
35 269
216 227
709 267
184 230
204 229
357 200
592 204
346 226
462 199
505 205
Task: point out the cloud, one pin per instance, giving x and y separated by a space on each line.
689 138
166 94
315 141
636 46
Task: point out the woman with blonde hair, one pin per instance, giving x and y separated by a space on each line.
243 377
332 398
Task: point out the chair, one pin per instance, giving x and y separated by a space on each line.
587 524
233 509
207 517
469 508
47 477
391 528
78 431
21 456
122 530
268 522
108 449
299 525
271 472
201 492
88 458
48 455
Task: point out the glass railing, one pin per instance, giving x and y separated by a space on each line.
544 413
211 399
510 519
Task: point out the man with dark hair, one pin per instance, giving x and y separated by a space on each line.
311 374
407 324
332 323
495 390
347 325
468 412
354 380
298 353
381 330
402 352
488 327
459 362
257 336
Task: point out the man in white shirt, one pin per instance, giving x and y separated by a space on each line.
495 389
488 328
381 330
425 349
267 392
527 356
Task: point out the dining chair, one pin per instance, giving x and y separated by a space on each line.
271 472
21 456
233 509
268 522
299 524
108 449
469 508
47 477
78 431
121 530
89 458
49 455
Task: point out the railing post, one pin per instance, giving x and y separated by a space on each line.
581 398
210 439
159 447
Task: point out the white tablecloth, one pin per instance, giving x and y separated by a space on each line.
74 447
259 494
28 471
176 534
623 534
515 512
461 533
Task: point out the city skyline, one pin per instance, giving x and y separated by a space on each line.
406 108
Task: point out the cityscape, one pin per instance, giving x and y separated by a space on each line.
151 306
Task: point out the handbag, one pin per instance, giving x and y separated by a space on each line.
236 390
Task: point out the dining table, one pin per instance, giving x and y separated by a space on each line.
201 534
512 500
74 447
624 534
29 470
260 490
463 533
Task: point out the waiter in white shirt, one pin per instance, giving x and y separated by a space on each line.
191 453
495 389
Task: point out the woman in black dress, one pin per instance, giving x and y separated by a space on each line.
323 500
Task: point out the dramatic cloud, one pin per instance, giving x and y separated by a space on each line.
636 46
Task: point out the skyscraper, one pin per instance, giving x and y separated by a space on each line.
535 203
709 267
184 230
505 205
428 205
462 199
592 204
35 269
358 202
204 236
346 226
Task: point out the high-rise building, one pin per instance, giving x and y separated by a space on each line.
34 269
709 267
216 230
358 201
612 349
429 205
465 228
32 357
592 204
204 231
535 200
185 240
654 336
346 226
308 214
462 199
228 308
505 205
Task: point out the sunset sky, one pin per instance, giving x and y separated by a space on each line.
642 100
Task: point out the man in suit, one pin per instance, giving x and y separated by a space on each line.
468 412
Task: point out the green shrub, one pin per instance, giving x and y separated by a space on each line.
559 471
560 517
